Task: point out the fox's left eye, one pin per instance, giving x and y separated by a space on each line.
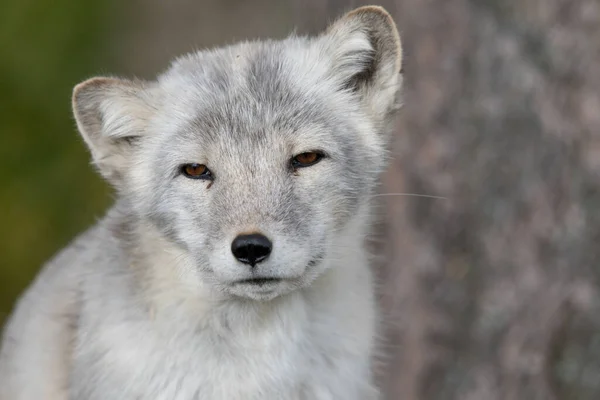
306 159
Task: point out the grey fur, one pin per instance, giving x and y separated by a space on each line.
145 305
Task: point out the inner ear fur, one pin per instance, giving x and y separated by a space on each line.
373 49
111 115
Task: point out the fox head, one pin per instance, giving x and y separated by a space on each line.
253 159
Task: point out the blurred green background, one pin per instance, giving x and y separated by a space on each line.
49 192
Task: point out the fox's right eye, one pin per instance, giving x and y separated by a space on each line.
196 171
306 159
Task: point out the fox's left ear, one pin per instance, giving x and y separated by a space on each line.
367 56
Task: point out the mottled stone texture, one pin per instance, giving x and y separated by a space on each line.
493 293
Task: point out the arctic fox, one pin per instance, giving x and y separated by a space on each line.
232 264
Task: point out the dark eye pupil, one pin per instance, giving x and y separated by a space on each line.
195 169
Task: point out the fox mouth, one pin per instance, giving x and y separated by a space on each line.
271 281
259 281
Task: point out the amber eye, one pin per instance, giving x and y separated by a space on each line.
306 159
196 171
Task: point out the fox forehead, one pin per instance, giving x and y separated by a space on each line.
269 66
256 95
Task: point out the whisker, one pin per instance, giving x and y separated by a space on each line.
410 194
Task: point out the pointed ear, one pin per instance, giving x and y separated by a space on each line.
367 56
111 115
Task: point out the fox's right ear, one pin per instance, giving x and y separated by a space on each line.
111 115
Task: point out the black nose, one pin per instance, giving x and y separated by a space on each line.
251 249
